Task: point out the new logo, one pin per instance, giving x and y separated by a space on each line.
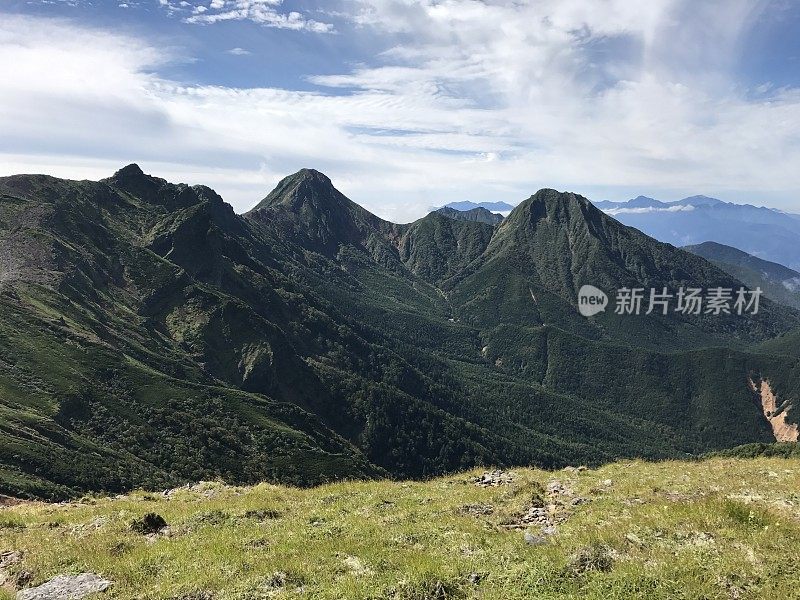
591 301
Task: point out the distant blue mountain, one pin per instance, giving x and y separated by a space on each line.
480 214
765 233
778 283
638 202
492 206
702 201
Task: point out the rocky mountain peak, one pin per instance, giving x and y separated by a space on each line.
315 214
128 172
133 180
307 186
557 208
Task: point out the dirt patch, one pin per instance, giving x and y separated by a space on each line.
10 501
775 412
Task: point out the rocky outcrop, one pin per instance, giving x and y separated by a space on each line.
494 479
66 587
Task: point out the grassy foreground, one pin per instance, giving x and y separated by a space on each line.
720 528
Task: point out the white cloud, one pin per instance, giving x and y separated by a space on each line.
649 209
263 12
476 100
239 52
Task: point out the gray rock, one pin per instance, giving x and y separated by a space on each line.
556 488
549 530
477 509
494 479
66 587
7 579
9 558
535 540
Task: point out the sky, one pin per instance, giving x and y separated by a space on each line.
410 104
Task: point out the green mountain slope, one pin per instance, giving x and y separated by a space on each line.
553 243
438 248
780 284
150 335
108 366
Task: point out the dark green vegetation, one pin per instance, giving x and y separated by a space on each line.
779 283
777 450
150 336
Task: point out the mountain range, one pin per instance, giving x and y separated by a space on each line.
765 233
151 336
466 205
779 283
480 214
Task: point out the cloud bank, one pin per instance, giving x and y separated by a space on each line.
482 100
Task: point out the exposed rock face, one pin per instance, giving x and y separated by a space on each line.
775 412
66 587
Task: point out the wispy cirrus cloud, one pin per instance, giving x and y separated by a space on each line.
264 12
